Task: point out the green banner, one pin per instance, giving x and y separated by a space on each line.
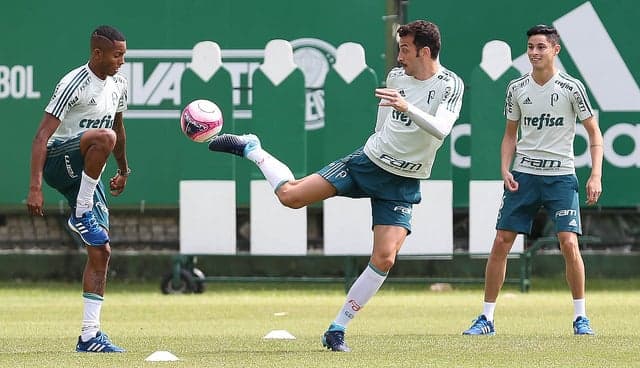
597 47
38 52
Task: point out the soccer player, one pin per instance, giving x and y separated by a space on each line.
416 112
543 104
81 127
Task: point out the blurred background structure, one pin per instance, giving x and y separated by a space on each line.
319 110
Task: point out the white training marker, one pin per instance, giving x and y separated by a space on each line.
279 335
161 356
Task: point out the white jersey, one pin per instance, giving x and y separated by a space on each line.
82 101
547 116
400 146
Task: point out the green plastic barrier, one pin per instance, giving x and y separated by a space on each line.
486 99
278 118
350 114
196 161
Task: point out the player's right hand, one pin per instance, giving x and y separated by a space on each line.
35 202
509 182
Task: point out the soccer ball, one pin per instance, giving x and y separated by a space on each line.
201 120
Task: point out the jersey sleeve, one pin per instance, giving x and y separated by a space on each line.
65 96
452 96
580 102
124 85
440 124
511 107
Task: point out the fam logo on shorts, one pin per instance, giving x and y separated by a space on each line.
403 210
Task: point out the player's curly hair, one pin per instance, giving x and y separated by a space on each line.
425 34
542 29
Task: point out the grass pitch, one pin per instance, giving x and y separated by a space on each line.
403 326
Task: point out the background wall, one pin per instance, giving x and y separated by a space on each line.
41 41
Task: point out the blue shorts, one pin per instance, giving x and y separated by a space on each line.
557 194
392 196
63 172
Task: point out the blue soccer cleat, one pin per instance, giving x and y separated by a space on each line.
239 145
334 341
98 344
481 326
581 326
88 229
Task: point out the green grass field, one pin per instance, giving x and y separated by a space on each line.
403 326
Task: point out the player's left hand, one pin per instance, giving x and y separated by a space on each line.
117 184
594 190
392 97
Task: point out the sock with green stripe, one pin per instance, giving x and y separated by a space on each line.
365 287
91 315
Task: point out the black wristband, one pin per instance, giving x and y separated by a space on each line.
124 173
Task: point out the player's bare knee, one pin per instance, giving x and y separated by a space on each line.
292 203
504 239
383 263
501 247
388 263
107 137
103 138
289 198
570 249
100 254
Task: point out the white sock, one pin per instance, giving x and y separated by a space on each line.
273 170
365 287
91 315
579 308
84 201
488 309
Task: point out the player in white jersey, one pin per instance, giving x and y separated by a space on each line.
81 127
417 111
543 106
403 145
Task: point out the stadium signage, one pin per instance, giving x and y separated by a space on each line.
157 95
16 82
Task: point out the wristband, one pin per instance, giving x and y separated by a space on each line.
127 173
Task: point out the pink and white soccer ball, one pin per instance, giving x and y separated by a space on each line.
201 120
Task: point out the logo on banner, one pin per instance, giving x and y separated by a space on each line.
613 92
155 78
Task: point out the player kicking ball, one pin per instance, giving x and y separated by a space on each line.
417 111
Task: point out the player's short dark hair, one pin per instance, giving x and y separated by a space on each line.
107 32
424 34
548 31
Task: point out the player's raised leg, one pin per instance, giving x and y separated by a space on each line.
248 146
291 192
95 145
